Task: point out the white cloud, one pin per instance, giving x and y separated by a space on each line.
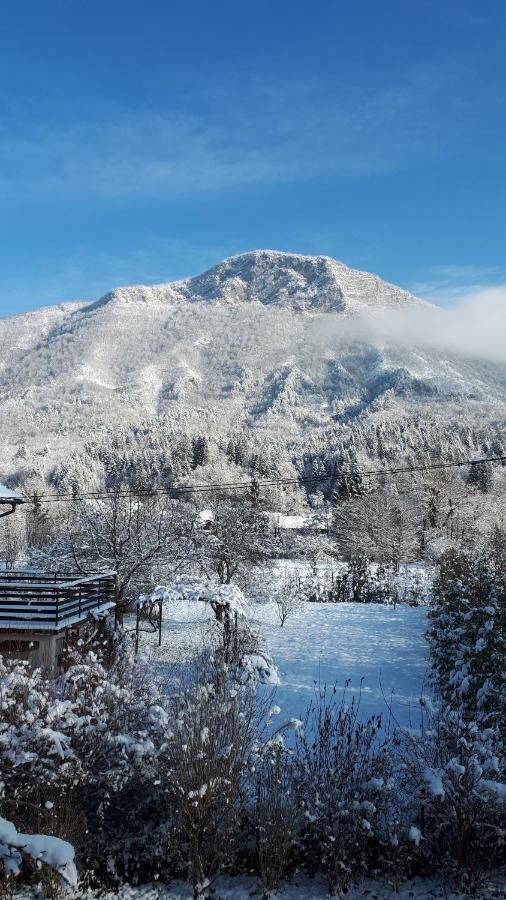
264 136
475 326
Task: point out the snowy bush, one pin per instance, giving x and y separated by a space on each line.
359 577
119 754
204 768
71 749
278 815
342 781
455 767
467 633
453 776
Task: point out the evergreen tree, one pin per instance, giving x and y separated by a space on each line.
481 477
254 492
200 452
348 484
359 575
467 631
37 523
434 508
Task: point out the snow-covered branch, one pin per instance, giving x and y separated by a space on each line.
42 848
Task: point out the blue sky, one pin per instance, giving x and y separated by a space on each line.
144 141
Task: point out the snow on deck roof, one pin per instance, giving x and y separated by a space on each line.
7 495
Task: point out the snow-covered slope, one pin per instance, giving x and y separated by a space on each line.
263 340
21 333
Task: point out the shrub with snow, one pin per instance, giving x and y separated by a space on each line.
467 633
278 816
453 779
204 769
72 750
343 782
455 768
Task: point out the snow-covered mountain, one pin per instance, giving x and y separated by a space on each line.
263 341
286 280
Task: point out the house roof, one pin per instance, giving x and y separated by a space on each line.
7 495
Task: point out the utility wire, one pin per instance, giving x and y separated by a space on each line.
245 485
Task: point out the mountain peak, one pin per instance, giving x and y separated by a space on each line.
313 283
274 278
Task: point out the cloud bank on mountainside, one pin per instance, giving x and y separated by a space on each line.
475 326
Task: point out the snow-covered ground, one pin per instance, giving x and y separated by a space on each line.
301 888
380 650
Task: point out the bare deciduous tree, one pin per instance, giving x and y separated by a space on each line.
383 523
288 599
139 537
237 538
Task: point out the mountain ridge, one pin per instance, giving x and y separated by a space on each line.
267 343
271 277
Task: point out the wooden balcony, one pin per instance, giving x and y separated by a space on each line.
50 602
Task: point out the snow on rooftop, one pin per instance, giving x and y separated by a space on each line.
10 495
281 520
205 516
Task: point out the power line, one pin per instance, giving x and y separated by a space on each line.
245 485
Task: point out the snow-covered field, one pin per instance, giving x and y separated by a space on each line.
380 650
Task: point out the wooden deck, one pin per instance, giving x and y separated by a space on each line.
52 601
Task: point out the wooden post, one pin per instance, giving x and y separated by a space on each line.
137 630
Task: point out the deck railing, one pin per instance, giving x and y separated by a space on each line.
51 601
